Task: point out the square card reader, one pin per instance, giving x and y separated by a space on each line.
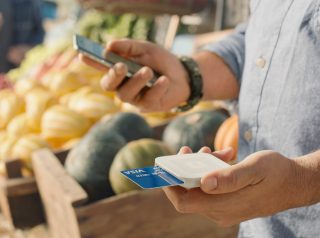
190 168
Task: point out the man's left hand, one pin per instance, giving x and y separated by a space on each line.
264 183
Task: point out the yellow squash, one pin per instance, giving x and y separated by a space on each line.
26 145
19 126
60 124
10 106
37 102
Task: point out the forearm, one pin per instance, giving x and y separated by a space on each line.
308 174
218 80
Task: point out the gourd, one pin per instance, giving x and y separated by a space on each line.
194 130
60 124
136 154
130 125
228 135
89 162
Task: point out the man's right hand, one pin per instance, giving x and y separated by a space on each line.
170 90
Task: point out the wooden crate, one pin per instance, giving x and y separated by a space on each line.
138 214
19 197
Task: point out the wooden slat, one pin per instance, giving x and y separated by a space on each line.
14 168
144 214
20 187
59 193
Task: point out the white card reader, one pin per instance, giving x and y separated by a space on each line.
190 168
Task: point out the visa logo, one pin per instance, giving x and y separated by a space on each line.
134 171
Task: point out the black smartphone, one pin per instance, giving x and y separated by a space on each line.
97 53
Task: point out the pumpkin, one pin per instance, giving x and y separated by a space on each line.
227 135
130 125
60 124
194 130
89 162
136 154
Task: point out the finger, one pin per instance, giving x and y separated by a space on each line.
129 92
232 179
205 150
114 77
152 100
126 47
187 201
185 150
225 155
93 63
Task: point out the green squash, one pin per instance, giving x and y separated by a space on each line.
136 154
89 162
194 130
130 125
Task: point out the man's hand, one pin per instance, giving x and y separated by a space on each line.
170 90
263 184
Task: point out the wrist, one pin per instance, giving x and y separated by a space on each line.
194 81
307 172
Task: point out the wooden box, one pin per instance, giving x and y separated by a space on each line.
138 214
19 197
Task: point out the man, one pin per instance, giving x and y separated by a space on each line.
275 61
21 29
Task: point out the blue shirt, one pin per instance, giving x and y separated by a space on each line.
276 58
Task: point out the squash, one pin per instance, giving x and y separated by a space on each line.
89 162
228 135
194 130
37 102
61 83
60 124
23 86
130 125
19 126
25 146
93 105
10 106
136 154
6 147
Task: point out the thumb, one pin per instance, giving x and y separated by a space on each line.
127 47
232 179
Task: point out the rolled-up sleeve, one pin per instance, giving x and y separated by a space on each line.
232 50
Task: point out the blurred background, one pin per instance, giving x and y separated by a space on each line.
25 24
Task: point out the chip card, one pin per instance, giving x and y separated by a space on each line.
151 177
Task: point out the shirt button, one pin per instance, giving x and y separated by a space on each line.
248 135
261 63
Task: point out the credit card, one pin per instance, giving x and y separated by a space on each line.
151 177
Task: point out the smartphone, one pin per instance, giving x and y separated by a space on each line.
97 53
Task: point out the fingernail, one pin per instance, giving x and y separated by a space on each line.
210 184
119 68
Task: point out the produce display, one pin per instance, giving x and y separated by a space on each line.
194 130
55 101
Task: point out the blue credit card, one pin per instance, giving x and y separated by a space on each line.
151 177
